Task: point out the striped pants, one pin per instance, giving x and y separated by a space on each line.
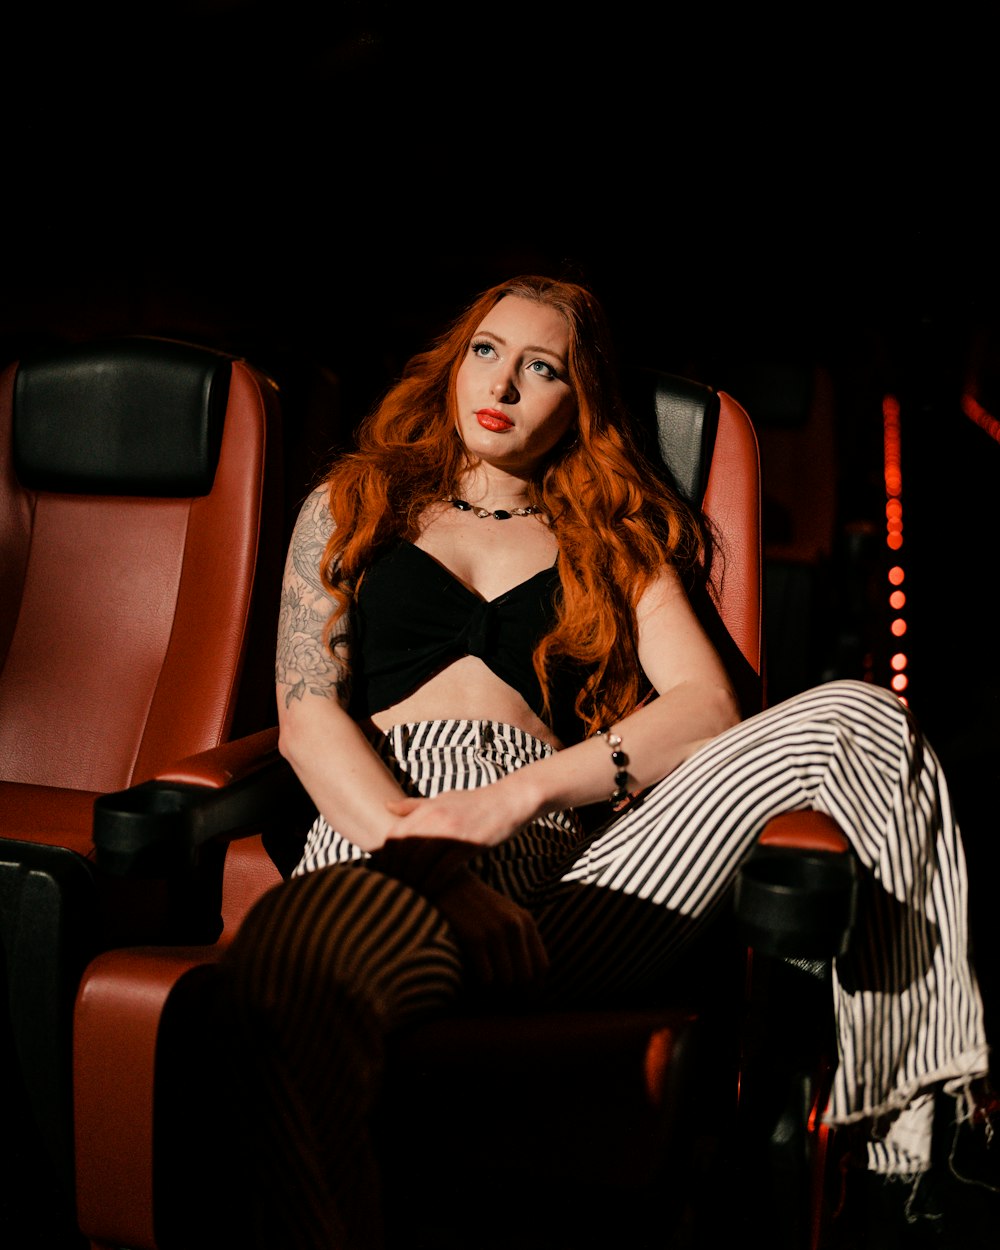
331 961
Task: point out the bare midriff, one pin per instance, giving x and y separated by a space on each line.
467 689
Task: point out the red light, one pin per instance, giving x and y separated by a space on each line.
898 627
898 661
897 599
974 410
896 575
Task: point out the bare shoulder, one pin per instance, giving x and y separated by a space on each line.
309 660
664 593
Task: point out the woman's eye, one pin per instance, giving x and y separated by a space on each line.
482 350
543 368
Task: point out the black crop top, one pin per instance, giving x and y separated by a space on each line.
411 617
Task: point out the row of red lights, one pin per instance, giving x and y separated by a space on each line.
893 472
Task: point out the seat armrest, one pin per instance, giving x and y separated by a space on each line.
160 827
226 763
796 894
807 830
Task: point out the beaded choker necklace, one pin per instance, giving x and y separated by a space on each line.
498 514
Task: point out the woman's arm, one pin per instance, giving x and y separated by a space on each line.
330 754
695 702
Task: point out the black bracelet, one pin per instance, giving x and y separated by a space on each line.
620 760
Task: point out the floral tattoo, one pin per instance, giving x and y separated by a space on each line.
307 662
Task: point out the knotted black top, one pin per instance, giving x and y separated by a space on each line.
412 617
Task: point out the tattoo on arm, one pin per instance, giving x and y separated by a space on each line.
306 662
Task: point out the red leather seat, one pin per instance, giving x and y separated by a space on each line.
141 512
556 1098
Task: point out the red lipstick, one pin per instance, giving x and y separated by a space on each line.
490 419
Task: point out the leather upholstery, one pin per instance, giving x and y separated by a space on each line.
100 688
734 506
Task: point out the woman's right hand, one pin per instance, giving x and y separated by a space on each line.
483 816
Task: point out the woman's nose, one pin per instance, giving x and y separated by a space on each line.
503 388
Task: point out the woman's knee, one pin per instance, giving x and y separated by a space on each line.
340 928
851 699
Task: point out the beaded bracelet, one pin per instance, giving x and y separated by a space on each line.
620 760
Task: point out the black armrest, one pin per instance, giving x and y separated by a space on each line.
797 903
161 827
175 828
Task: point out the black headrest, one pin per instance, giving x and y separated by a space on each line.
135 416
677 421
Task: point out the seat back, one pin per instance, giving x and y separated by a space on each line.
140 517
708 448
732 503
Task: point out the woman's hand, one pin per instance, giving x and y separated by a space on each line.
499 939
484 816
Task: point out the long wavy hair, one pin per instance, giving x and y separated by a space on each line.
615 519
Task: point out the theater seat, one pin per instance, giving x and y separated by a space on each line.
603 1111
141 503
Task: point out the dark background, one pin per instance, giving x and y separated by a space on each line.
797 209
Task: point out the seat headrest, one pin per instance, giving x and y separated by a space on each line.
677 421
134 416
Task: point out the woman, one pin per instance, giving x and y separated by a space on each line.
485 631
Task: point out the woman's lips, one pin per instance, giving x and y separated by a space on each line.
490 419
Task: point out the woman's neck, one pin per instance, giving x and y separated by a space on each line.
485 486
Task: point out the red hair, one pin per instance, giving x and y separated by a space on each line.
614 518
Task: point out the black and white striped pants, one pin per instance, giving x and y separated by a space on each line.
339 944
